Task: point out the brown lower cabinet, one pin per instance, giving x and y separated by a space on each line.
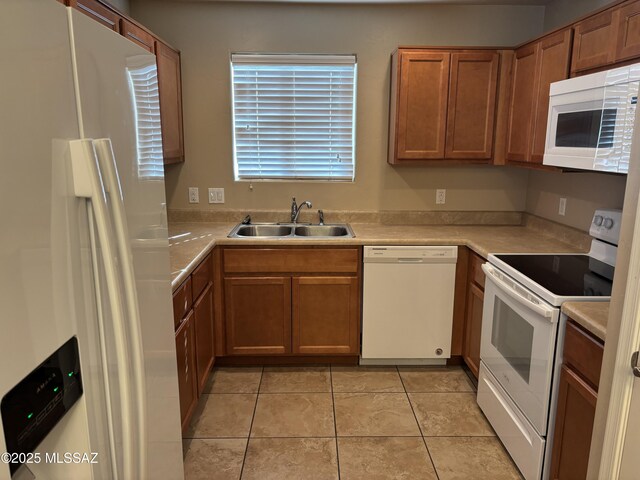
203 319
577 398
187 383
292 301
473 328
473 314
194 321
326 314
258 315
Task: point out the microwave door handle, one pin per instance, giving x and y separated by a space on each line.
506 288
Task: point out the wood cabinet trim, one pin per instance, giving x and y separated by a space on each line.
473 327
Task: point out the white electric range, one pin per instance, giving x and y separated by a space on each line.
523 334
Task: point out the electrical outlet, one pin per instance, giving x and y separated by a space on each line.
194 195
441 196
562 207
216 195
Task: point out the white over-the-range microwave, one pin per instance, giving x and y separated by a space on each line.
591 120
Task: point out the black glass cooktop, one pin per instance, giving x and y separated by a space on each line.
565 275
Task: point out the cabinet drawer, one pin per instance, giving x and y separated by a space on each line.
201 277
181 302
263 260
584 353
475 270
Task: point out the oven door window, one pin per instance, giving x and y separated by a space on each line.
512 336
586 129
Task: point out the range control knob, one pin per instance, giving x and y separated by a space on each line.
608 223
598 220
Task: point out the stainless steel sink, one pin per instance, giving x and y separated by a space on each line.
272 230
322 231
263 231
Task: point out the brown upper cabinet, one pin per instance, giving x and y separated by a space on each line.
472 102
536 66
138 35
442 105
99 12
595 41
609 37
170 89
628 41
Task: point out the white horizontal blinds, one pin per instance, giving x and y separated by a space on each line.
144 85
294 116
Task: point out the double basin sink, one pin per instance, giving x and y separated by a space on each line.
271 230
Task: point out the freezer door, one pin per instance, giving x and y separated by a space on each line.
46 291
118 100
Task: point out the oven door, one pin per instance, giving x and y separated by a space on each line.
518 343
591 129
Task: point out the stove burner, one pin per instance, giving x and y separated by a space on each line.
565 275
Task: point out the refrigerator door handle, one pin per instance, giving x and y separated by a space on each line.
109 169
87 183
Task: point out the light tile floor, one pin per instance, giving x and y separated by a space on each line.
348 423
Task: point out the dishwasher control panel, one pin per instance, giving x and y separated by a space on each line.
410 254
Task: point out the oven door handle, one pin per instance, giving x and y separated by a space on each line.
513 293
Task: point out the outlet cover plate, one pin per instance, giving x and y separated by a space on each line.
194 195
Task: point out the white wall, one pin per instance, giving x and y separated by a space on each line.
206 33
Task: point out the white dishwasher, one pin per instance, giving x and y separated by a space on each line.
407 314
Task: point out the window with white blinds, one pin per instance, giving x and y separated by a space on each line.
294 116
144 87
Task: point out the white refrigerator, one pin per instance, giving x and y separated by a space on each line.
84 255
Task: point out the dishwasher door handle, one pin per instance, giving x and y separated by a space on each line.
410 260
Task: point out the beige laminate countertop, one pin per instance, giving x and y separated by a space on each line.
592 316
191 242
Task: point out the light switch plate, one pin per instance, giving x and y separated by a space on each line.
441 196
562 206
194 195
216 195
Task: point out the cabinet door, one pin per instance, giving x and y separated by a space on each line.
573 427
98 12
594 43
138 35
472 103
258 315
422 108
326 315
170 90
203 318
473 329
522 103
628 41
187 382
554 61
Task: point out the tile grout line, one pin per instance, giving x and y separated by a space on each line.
255 407
335 422
435 470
